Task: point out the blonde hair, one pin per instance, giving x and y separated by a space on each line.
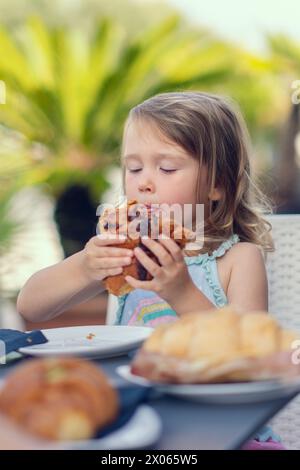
211 129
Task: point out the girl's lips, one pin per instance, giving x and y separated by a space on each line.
146 204
149 204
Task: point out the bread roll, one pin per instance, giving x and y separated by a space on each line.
217 346
63 398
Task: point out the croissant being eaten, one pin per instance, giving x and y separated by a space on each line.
132 221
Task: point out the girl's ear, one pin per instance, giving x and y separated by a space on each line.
215 194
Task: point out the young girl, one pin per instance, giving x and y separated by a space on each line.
184 148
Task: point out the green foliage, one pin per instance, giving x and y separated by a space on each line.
69 92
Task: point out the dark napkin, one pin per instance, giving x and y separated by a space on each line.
130 396
12 340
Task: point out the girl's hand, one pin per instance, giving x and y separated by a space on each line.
100 260
172 278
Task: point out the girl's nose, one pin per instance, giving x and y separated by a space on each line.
146 187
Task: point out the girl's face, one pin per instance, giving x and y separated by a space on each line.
157 170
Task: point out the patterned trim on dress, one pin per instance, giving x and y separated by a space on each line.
206 261
220 251
149 309
121 303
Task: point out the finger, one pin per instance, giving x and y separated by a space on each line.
107 239
137 284
152 267
112 262
172 247
114 271
113 252
158 250
107 242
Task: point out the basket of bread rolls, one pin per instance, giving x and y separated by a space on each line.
219 346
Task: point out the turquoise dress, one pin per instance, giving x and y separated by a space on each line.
145 308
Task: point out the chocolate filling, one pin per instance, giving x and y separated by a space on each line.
141 270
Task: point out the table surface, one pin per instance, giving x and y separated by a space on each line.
192 425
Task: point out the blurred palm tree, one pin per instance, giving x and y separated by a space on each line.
69 92
14 162
82 13
285 52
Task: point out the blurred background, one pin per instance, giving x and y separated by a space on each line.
70 70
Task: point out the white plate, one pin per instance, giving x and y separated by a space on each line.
89 341
229 393
130 436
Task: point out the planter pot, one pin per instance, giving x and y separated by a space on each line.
75 216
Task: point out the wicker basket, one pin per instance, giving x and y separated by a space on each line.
283 267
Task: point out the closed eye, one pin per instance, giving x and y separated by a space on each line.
167 171
136 170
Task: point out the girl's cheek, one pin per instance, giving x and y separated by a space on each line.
128 179
130 185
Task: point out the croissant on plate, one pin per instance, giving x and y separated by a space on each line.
133 221
218 346
59 399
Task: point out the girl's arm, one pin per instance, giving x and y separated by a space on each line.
247 288
55 289
248 283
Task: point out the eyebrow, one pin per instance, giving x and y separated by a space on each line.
157 156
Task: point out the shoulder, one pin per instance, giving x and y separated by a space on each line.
240 258
241 254
245 252
246 259
248 285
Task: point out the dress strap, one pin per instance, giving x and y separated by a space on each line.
225 246
220 251
121 303
209 266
